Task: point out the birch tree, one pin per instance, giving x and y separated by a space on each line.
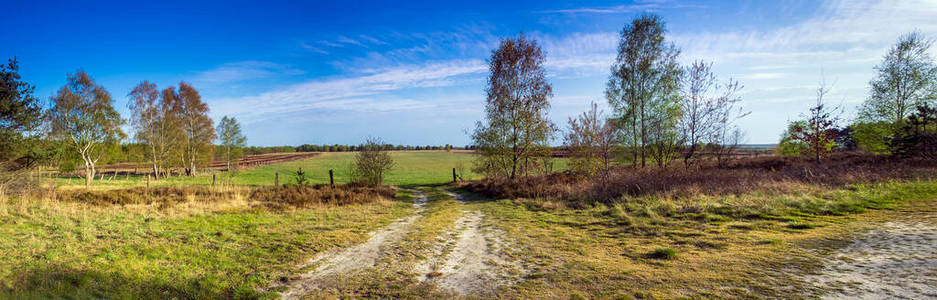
82 114
643 90
198 131
143 105
906 78
231 139
516 130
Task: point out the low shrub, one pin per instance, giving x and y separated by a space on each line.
270 197
303 195
140 195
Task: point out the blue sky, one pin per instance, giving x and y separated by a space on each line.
414 72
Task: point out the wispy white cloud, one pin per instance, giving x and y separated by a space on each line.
462 41
331 44
757 76
363 92
346 40
371 39
859 30
244 70
638 6
313 48
579 54
604 10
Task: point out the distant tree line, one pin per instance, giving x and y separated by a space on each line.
349 148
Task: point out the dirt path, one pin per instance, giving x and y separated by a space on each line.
472 262
469 260
893 260
355 258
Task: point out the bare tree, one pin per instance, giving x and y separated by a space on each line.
516 130
198 132
592 140
587 141
727 142
371 163
83 115
643 90
907 77
709 110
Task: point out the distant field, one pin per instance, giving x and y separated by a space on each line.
411 168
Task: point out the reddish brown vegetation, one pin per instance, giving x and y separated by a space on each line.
140 195
301 196
270 197
768 174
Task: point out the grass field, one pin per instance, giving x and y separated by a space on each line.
198 250
756 244
604 253
189 251
411 168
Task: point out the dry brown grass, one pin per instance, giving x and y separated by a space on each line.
770 175
267 197
304 196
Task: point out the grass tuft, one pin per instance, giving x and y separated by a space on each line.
663 253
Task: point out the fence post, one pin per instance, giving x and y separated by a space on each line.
331 178
213 179
276 179
453 175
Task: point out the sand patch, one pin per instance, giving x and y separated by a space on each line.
892 260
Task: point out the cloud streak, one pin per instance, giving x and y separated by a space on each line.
371 91
638 6
244 70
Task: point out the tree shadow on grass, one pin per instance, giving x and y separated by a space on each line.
72 283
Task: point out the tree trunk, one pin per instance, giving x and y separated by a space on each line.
191 170
89 174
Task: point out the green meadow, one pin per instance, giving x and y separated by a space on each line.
410 168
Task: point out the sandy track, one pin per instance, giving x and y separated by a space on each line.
475 264
355 258
893 260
